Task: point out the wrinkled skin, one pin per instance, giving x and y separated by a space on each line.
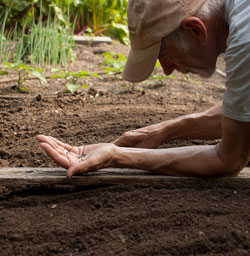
205 40
140 138
77 160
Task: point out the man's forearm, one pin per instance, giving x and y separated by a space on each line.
204 126
184 161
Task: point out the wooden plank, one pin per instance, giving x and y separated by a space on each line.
34 176
221 73
88 40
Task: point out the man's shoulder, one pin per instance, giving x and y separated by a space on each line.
237 16
236 8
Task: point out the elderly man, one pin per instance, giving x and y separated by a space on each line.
188 36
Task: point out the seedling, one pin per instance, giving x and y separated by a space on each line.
114 63
71 78
23 73
185 77
132 88
160 78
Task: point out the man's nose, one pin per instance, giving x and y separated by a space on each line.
169 69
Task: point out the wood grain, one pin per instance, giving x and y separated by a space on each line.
25 176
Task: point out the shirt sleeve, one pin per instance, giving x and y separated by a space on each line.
236 100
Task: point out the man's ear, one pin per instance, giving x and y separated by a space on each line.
196 26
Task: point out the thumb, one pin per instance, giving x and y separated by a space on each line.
77 169
120 142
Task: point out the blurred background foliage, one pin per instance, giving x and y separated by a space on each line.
96 17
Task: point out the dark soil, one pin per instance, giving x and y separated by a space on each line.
202 219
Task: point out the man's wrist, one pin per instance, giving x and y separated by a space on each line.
118 157
137 158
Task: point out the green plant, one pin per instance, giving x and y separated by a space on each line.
47 43
105 17
9 51
160 78
23 72
185 77
132 87
44 43
119 31
113 63
71 78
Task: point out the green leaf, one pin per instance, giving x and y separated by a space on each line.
58 76
114 62
72 74
2 72
24 89
94 75
17 5
160 78
119 31
157 65
83 73
72 87
22 66
58 12
9 65
85 86
38 75
185 77
171 76
38 69
16 66
27 19
54 70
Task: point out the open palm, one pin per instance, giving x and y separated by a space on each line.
80 159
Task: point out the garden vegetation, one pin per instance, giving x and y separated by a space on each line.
38 31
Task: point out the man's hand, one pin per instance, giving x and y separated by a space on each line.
77 160
146 137
201 126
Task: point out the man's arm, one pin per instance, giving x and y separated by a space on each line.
205 125
229 158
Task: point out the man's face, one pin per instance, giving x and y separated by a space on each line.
185 55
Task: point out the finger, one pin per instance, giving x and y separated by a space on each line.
47 139
53 142
121 142
80 168
41 137
60 143
116 142
60 159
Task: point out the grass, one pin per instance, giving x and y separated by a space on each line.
104 17
49 44
44 43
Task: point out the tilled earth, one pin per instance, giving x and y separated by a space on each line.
203 219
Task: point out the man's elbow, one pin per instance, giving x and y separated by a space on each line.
232 168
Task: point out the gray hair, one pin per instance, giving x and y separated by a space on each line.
211 9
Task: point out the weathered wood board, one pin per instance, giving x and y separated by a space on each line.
47 176
88 40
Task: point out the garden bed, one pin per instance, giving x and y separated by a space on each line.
198 218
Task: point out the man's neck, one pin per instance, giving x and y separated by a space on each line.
222 31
